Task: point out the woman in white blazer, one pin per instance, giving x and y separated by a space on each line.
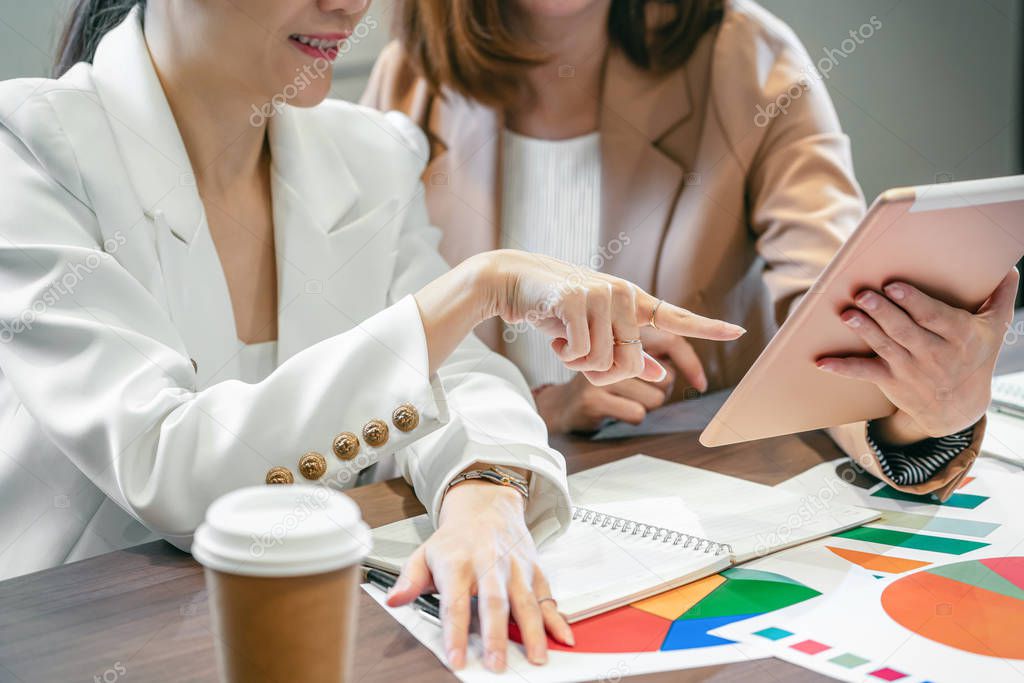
207 287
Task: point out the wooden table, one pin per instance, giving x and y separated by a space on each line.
141 614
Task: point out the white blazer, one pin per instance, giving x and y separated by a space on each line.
112 287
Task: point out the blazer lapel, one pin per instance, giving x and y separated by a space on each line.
640 183
464 179
171 213
334 260
465 175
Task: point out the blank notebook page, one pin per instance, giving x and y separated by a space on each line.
752 518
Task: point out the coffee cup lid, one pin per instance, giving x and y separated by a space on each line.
279 530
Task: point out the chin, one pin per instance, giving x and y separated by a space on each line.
556 9
314 94
305 86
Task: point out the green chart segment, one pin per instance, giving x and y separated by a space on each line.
903 539
745 593
749 591
967 501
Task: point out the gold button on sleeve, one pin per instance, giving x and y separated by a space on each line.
346 445
312 465
375 433
280 475
406 417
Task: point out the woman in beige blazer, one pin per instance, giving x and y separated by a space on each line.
725 185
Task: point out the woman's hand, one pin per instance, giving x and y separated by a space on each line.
482 548
593 318
579 406
934 363
589 314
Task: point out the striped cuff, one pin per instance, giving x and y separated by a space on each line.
918 462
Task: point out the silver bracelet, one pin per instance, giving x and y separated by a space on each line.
496 475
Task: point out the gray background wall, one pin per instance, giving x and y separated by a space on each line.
934 94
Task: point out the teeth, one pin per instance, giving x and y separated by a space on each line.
317 43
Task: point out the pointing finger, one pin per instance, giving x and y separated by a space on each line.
682 322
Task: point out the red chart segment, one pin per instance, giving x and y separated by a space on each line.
625 629
1010 568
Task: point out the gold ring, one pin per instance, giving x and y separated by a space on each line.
654 312
543 600
624 342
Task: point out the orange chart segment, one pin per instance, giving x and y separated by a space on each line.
876 562
672 603
958 613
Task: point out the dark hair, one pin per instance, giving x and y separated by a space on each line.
475 48
88 22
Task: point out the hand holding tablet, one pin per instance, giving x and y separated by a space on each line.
906 321
933 361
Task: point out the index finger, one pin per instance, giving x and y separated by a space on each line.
933 315
492 604
682 322
455 615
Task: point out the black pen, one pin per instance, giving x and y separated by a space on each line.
426 603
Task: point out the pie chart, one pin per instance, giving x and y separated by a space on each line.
679 619
975 606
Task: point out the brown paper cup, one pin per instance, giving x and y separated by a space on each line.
282 574
286 629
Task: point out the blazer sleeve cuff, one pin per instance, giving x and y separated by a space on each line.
547 510
854 440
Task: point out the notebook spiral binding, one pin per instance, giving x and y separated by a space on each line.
655 533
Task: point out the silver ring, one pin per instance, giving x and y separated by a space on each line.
624 342
654 312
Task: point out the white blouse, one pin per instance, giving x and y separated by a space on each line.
257 361
551 204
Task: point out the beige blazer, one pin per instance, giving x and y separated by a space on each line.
730 177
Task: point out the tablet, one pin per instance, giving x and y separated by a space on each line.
954 241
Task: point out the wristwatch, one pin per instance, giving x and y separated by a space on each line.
496 475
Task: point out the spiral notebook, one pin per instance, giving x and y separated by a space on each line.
641 526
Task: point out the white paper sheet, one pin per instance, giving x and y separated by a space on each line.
1004 438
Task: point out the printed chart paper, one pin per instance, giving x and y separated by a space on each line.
930 591
610 647
958 622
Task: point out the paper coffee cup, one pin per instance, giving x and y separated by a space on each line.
282 574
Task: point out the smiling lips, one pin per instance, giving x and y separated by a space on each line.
321 45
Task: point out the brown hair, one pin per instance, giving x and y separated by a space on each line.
476 48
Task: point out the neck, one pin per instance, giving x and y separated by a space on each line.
225 149
566 90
